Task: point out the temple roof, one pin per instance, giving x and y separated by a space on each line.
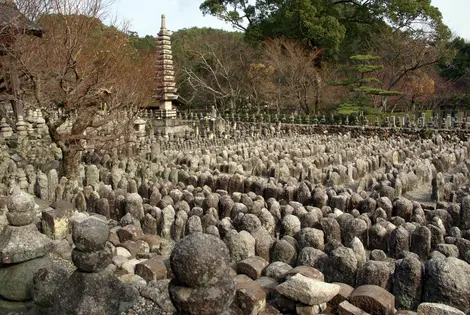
12 20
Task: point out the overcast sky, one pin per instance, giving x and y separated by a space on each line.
144 15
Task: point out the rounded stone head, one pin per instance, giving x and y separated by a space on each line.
90 234
20 208
20 201
199 260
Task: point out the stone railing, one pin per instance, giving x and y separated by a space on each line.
408 121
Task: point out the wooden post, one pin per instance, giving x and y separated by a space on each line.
15 89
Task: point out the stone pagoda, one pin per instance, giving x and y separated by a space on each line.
164 116
166 85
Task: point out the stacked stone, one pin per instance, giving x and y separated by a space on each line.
21 127
5 129
166 84
23 248
202 283
92 288
91 253
139 125
3 213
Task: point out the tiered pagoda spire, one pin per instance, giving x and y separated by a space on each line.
166 84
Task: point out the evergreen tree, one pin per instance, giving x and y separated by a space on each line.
362 83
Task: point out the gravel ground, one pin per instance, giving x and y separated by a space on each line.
59 261
145 307
142 307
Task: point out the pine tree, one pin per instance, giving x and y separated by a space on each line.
362 83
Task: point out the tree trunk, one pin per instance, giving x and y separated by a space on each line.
317 84
71 159
15 89
305 101
384 103
413 104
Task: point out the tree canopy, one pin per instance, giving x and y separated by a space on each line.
328 24
459 66
281 58
84 76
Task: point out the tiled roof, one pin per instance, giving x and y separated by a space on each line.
11 19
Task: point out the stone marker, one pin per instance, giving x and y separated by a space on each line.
92 289
308 291
437 309
373 299
202 283
22 248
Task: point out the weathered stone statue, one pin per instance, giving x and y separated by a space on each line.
92 289
22 248
202 284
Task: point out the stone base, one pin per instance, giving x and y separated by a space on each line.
22 243
7 307
93 293
170 127
17 280
211 300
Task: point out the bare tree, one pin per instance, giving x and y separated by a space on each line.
84 71
298 80
218 69
403 55
263 89
13 25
